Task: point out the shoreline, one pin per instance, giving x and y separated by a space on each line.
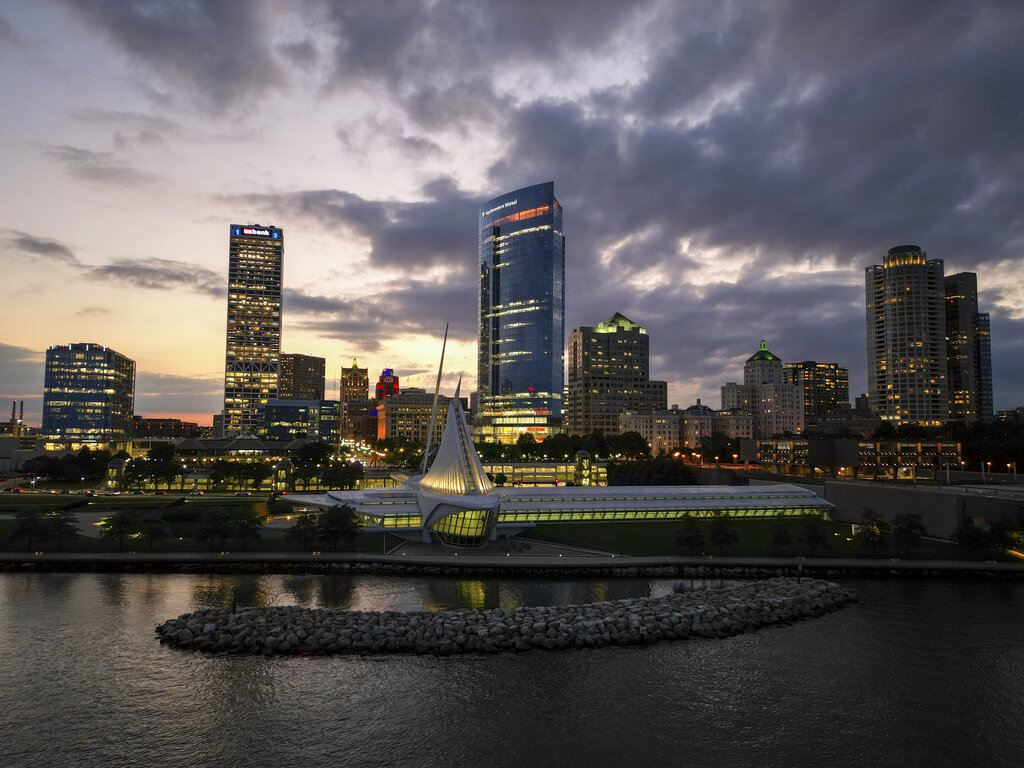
517 566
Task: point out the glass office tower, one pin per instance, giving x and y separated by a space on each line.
968 351
522 315
253 354
88 393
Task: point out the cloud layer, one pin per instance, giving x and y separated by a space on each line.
726 170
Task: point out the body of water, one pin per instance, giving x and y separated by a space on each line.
920 673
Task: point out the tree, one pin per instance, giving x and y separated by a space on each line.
30 527
213 527
500 479
62 524
119 526
967 535
812 530
722 532
999 535
527 445
907 530
781 536
691 535
338 524
152 527
258 473
304 529
244 524
871 531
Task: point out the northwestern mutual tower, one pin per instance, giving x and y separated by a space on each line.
522 315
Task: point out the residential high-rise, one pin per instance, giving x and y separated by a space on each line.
302 377
609 374
906 335
253 351
355 383
826 388
88 394
522 315
968 351
387 384
777 407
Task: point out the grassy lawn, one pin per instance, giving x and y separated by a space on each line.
755 539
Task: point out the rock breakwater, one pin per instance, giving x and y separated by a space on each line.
732 610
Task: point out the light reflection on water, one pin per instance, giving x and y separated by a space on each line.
921 673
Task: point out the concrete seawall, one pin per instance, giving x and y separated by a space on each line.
743 607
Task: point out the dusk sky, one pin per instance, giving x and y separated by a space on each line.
727 171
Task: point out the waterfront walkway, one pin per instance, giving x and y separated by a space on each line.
546 558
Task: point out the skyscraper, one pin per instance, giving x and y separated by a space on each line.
777 407
522 315
968 351
302 377
253 353
609 374
906 334
355 383
387 384
88 393
826 387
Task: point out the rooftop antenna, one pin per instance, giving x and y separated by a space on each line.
424 465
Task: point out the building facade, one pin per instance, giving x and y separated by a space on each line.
407 415
354 384
291 419
968 351
253 351
302 377
826 388
906 335
170 428
522 315
609 374
777 408
387 385
88 394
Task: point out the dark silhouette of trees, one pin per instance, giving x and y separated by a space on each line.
722 532
907 530
813 531
152 527
662 470
29 527
967 535
338 524
871 531
304 529
120 525
781 536
999 535
62 525
213 527
244 524
691 535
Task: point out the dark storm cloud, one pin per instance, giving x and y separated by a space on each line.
411 235
398 309
8 34
42 247
301 53
168 393
21 374
217 51
387 134
160 274
98 167
153 274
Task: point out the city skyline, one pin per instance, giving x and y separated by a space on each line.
724 181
